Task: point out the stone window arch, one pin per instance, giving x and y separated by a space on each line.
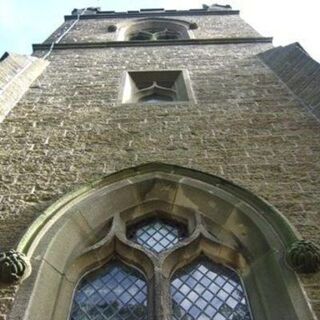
227 225
155 29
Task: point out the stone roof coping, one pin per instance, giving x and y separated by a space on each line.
294 66
96 13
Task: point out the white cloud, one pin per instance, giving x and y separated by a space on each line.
7 14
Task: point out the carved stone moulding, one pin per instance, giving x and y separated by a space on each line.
193 26
304 256
112 28
14 267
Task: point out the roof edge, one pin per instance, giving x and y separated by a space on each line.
298 71
151 13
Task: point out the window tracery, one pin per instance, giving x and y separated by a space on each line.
201 290
156 29
155 93
154 34
156 86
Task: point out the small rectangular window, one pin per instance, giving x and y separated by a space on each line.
156 87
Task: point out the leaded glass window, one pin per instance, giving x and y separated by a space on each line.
157 234
116 292
208 291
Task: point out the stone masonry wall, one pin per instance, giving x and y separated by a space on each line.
69 129
215 26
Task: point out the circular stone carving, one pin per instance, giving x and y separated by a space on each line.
112 28
13 266
193 26
304 256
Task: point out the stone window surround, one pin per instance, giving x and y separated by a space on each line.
180 79
127 27
226 223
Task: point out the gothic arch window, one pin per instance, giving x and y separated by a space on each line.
113 291
155 30
206 290
160 242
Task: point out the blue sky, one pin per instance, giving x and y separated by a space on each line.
25 22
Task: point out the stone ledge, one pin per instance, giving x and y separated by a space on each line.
89 45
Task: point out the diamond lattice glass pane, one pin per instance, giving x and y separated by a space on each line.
157 235
115 292
205 290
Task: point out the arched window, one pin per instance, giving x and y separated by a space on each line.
160 242
206 290
155 30
114 291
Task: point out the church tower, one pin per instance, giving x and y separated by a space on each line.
159 164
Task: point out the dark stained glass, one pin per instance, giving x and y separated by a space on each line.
155 98
157 235
155 34
115 292
208 291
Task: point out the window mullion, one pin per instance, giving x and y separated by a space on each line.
162 309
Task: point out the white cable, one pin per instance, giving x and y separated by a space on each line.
46 55
61 37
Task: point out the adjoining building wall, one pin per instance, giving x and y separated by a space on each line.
245 126
298 71
17 73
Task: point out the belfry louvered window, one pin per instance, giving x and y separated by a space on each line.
154 34
200 289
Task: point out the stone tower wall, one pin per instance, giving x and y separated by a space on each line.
245 126
208 27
